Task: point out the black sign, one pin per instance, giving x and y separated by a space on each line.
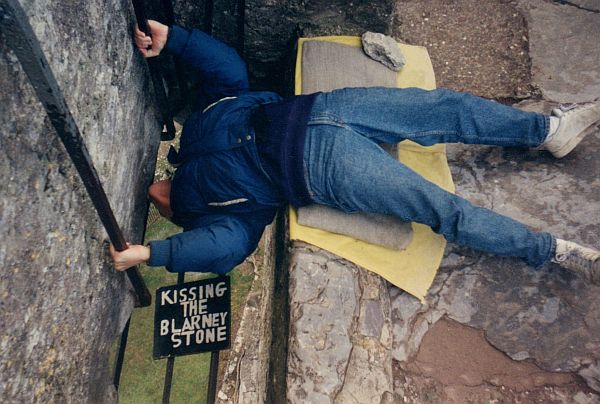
192 317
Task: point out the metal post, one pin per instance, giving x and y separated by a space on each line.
171 359
168 380
157 79
121 355
212 377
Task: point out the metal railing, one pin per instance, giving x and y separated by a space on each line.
22 40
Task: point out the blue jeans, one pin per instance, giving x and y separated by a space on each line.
346 168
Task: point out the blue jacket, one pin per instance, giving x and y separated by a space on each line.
220 194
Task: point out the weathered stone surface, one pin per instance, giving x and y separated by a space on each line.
340 331
62 303
384 49
549 316
565 58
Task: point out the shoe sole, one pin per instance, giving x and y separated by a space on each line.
573 142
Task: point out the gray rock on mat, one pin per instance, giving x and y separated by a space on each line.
384 49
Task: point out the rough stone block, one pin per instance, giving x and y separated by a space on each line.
384 49
340 331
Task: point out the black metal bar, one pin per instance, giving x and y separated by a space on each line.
208 16
169 12
140 16
157 79
22 40
241 24
121 355
211 393
168 380
171 359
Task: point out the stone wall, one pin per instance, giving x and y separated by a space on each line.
62 303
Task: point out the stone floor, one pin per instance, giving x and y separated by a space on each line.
493 329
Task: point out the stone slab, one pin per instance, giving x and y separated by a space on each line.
340 331
564 50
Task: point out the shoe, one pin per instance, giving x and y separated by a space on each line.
575 123
583 260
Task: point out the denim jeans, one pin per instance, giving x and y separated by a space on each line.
346 168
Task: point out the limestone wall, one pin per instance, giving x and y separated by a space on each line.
62 305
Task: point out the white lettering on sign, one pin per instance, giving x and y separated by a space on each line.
194 293
193 317
164 327
193 307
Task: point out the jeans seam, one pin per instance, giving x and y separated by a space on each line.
546 124
305 169
308 187
326 118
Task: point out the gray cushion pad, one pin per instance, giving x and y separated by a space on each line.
386 231
327 66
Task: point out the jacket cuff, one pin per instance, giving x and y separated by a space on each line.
176 39
160 253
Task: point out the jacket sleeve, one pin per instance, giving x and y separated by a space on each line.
217 247
222 72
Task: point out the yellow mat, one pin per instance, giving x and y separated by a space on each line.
412 269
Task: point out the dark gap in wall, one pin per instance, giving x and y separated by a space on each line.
241 20
208 16
276 379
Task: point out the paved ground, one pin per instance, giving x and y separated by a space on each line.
475 46
493 330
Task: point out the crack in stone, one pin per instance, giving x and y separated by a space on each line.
315 300
570 3
341 388
479 184
352 331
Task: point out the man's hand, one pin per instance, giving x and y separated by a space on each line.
132 256
151 46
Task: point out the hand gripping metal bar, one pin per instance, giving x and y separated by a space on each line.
155 74
15 26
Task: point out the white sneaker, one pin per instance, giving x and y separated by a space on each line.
575 122
583 260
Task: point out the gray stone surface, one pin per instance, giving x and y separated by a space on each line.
62 305
384 49
340 331
565 58
549 316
